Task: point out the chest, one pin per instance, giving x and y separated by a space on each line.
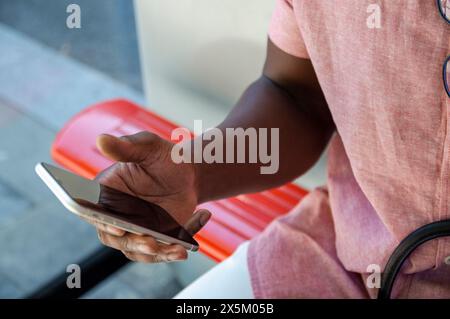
380 65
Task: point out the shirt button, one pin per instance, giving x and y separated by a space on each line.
447 260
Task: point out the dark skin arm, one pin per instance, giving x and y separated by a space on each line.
286 96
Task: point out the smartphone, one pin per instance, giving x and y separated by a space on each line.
90 199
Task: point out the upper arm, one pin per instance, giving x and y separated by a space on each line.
297 77
288 65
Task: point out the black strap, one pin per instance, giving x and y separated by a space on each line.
405 248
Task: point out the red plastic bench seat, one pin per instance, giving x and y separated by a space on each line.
234 220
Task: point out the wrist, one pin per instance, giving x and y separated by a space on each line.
185 158
198 174
197 185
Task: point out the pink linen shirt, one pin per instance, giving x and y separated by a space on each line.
388 166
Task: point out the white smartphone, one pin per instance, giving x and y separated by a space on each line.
90 199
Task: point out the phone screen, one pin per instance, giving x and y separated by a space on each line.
119 205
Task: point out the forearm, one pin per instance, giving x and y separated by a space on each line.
302 138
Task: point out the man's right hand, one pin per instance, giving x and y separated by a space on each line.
145 169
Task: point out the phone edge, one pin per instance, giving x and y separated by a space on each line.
84 212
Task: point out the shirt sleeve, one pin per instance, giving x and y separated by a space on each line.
284 30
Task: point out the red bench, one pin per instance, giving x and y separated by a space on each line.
234 220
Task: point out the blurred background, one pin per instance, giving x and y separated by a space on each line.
185 60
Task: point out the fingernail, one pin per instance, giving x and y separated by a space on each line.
204 219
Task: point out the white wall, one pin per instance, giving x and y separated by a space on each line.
199 55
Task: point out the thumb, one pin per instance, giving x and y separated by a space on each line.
197 221
119 149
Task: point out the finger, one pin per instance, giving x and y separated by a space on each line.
104 227
197 221
129 255
117 242
138 244
123 149
147 245
155 258
141 138
105 174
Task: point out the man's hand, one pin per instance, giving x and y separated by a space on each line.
287 96
144 169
